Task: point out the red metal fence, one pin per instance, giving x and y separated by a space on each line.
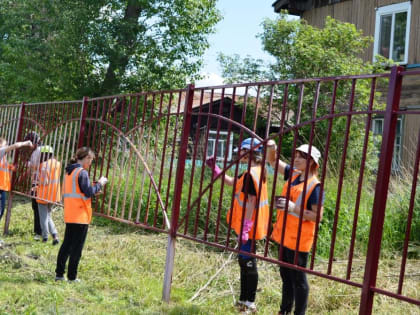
152 146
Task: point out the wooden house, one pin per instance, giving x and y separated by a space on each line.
395 28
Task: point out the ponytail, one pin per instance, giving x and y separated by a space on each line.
257 158
81 153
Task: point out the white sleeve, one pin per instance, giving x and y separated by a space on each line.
2 152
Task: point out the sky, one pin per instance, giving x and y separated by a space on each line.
236 34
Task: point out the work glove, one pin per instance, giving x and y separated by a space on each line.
211 162
246 229
281 204
102 181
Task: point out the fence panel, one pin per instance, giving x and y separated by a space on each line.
333 114
135 138
137 141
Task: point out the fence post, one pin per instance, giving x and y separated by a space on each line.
170 251
381 191
15 159
82 122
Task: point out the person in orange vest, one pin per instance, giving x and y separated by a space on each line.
77 194
247 218
6 169
295 285
48 191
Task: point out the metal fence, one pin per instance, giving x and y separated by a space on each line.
152 146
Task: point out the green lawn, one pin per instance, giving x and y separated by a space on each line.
122 273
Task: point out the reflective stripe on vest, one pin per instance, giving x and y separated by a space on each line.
48 187
74 193
298 202
262 208
77 207
292 219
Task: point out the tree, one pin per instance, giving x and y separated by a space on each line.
303 51
67 49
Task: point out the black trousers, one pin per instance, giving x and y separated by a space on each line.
72 246
37 224
295 284
249 278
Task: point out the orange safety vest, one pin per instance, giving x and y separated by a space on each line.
262 208
292 220
48 187
77 207
5 174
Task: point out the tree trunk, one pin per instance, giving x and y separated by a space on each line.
126 43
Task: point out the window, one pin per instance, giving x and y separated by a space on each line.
221 145
392 31
378 128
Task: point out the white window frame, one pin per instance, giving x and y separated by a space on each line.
393 9
222 139
396 155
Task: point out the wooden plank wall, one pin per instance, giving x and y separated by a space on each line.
362 13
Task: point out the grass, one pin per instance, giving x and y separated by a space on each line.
122 272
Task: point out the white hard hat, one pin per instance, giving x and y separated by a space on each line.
315 154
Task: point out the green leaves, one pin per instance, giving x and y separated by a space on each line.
68 49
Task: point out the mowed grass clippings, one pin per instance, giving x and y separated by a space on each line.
122 270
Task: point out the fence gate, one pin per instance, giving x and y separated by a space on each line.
152 147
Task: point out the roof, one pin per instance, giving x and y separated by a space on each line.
297 7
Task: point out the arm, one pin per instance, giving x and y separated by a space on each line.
17 145
310 215
84 184
271 157
229 180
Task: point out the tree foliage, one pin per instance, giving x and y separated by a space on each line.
303 51
68 49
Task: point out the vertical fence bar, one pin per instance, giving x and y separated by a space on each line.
170 251
15 159
361 174
381 191
341 177
82 122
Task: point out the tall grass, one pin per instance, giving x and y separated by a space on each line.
122 273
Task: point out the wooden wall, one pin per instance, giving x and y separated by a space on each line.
362 13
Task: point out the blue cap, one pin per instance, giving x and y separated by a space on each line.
249 143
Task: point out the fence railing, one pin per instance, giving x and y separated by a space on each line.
152 147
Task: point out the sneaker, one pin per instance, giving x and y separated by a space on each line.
74 281
240 305
44 240
55 241
37 237
251 306
57 278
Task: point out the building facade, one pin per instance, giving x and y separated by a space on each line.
395 27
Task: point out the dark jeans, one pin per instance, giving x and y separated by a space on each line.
295 284
249 274
2 202
72 246
37 224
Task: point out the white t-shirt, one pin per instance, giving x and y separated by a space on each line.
34 164
2 152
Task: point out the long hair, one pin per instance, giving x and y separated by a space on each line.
257 159
81 153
